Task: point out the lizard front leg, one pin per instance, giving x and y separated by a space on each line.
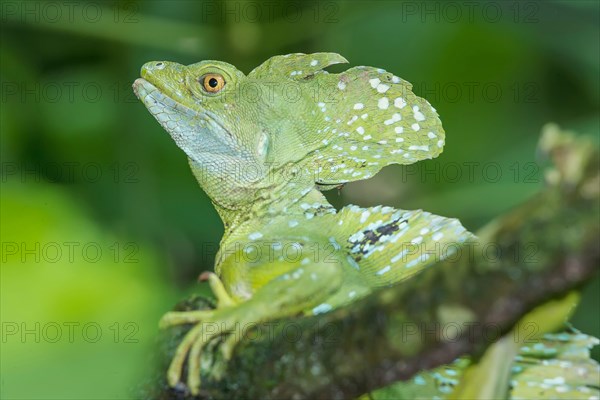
224 300
300 289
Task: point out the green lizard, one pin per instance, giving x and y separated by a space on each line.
263 146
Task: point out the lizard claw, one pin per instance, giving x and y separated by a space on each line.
204 276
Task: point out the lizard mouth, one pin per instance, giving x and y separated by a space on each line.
193 131
157 102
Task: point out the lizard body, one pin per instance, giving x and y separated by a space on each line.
262 146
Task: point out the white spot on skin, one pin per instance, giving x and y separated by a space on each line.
412 263
398 256
437 236
417 240
367 137
399 102
398 129
360 130
364 116
296 274
382 88
353 262
352 294
422 148
395 79
431 135
341 85
383 270
352 148
418 114
383 103
399 140
354 118
321 308
292 223
359 106
395 118
313 63
440 143
415 127
364 216
255 236
374 82
334 243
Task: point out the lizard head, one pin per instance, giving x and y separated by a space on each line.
199 106
243 134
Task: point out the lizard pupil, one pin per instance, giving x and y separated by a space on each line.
213 82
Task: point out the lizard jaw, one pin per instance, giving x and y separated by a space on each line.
196 133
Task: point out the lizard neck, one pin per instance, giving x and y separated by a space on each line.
292 200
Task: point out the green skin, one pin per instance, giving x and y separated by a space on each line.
263 148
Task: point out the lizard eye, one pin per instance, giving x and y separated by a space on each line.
212 83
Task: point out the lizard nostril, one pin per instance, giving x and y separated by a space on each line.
151 67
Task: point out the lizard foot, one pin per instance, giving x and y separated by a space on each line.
208 325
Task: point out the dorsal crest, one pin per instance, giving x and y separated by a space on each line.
356 122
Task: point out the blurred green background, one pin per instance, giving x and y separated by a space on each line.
103 227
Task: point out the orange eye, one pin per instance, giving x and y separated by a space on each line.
212 83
